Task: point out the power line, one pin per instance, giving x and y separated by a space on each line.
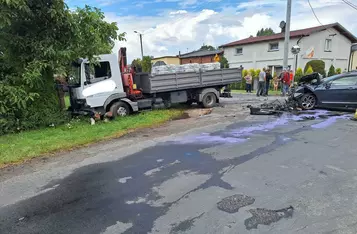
313 11
350 4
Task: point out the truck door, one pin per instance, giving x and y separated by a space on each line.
98 83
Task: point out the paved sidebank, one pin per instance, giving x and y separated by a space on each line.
226 172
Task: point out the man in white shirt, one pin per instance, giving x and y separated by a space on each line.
261 84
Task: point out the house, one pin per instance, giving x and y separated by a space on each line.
200 56
330 43
166 60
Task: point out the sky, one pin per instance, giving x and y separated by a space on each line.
173 26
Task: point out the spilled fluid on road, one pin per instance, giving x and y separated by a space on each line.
98 196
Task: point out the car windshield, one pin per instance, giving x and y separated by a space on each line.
330 78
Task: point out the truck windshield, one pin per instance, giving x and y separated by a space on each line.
75 75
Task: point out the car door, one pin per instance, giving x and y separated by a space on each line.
340 92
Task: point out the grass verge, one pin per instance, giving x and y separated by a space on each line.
19 147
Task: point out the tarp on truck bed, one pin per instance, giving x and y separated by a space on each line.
188 80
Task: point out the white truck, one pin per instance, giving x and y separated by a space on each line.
111 87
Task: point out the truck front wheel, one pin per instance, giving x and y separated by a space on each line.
120 109
209 100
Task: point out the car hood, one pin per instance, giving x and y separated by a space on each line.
311 79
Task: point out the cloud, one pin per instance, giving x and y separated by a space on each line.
103 3
184 30
179 12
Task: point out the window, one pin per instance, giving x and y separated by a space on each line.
239 50
345 81
328 45
98 72
274 46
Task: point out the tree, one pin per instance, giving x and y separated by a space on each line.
265 32
317 66
309 70
224 62
252 72
338 70
256 73
146 64
299 73
331 71
45 37
137 63
207 47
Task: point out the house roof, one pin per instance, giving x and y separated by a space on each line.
294 34
201 53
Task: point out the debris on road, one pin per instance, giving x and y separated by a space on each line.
233 203
277 107
267 217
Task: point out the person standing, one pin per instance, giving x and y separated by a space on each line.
291 77
276 83
286 82
268 79
261 84
248 82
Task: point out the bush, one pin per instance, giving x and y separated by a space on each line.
42 112
224 62
331 71
338 70
242 83
309 71
299 73
317 66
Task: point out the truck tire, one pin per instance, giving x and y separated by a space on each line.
209 100
120 109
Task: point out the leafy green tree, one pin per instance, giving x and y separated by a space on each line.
331 71
224 62
265 32
45 37
299 73
309 70
243 81
146 64
252 72
317 66
338 70
137 63
207 47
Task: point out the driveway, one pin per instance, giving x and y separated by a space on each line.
226 172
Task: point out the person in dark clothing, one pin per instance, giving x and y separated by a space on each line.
268 79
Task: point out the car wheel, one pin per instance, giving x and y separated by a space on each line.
308 101
120 109
209 100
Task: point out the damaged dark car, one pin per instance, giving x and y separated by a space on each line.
335 92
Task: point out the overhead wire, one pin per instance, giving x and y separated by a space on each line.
317 18
350 4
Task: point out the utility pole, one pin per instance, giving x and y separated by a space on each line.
141 44
287 35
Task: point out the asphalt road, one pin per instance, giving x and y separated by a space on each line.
227 172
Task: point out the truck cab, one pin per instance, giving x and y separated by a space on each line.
91 87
